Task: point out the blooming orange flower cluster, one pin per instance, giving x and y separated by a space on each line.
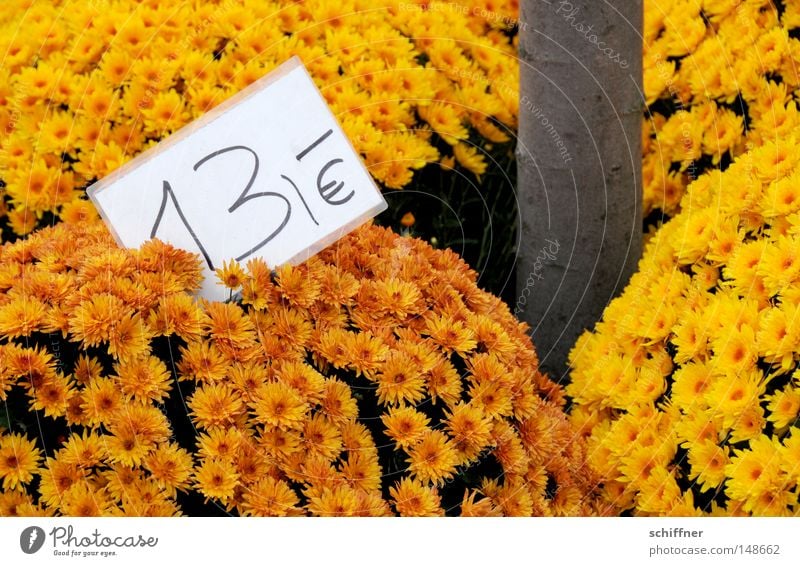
718 79
689 389
72 283
374 379
85 86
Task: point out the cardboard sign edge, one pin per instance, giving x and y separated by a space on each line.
276 74
336 235
215 113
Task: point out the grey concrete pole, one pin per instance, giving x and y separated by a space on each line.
579 164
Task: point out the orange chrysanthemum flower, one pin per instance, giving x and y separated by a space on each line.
56 478
102 399
144 379
304 379
85 500
170 467
85 451
405 425
217 478
414 499
135 431
471 430
341 501
399 381
365 352
21 316
129 338
215 405
451 335
278 405
87 369
179 314
270 497
321 437
52 395
433 459
483 507
93 320
295 285
219 443
231 275
19 460
229 327
202 361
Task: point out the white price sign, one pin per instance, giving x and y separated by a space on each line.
268 173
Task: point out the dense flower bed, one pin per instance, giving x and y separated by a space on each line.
691 403
84 86
376 378
719 77
87 85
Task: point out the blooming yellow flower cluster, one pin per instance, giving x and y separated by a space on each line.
84 86
691 404
376 378
718 78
